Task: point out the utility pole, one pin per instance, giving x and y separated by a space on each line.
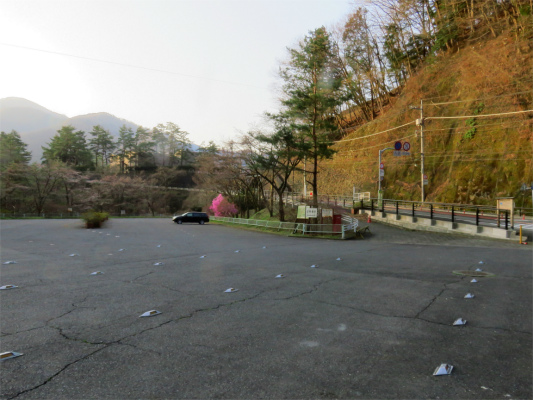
420 123
422 149
305 177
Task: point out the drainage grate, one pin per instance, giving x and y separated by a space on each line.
473 273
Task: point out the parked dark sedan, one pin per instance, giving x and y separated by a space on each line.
199 217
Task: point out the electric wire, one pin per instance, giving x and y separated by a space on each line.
390 162
374 134
519 82
131 66
471 100
478 116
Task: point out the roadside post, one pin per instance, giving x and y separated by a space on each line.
382 171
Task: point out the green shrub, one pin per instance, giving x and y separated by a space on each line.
94 219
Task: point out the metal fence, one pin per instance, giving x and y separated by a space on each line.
295 227
470 214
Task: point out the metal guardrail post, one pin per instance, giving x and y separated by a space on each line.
382 205
372 205
431 211
413 208
477 216
453 214
396 207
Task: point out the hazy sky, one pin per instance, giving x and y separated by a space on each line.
208 66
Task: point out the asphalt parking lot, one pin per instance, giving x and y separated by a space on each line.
373 325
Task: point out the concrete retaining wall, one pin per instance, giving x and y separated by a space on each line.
433 225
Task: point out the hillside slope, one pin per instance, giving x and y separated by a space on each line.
467 160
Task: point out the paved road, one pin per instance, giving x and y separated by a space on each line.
373 325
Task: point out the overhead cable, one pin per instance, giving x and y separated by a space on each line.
130 65
470 100
479 116
374 134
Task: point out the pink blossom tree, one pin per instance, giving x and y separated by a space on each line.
223 208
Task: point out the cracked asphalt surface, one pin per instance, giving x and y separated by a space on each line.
374 325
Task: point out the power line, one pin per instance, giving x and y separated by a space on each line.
433 118
131 66
374 134
378 145
484 98
391 162
478 116
478 126
520 82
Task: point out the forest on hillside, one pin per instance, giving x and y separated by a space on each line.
459 67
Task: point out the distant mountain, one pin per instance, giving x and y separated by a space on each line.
38 125
25 116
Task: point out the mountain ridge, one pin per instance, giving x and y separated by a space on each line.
37 125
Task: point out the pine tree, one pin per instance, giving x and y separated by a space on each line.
101 144
312 85
70 148
13 150
125 146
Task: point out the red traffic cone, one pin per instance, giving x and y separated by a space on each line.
369 220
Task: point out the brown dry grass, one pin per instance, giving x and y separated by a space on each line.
494 162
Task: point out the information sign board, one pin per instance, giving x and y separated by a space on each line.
381 172
311 212
301 212
327 212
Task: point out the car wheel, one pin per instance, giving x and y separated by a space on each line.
179 221
202 222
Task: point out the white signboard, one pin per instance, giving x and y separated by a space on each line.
399 153
327 212
311 212
381 172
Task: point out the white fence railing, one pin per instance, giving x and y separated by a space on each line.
350 224
296 227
